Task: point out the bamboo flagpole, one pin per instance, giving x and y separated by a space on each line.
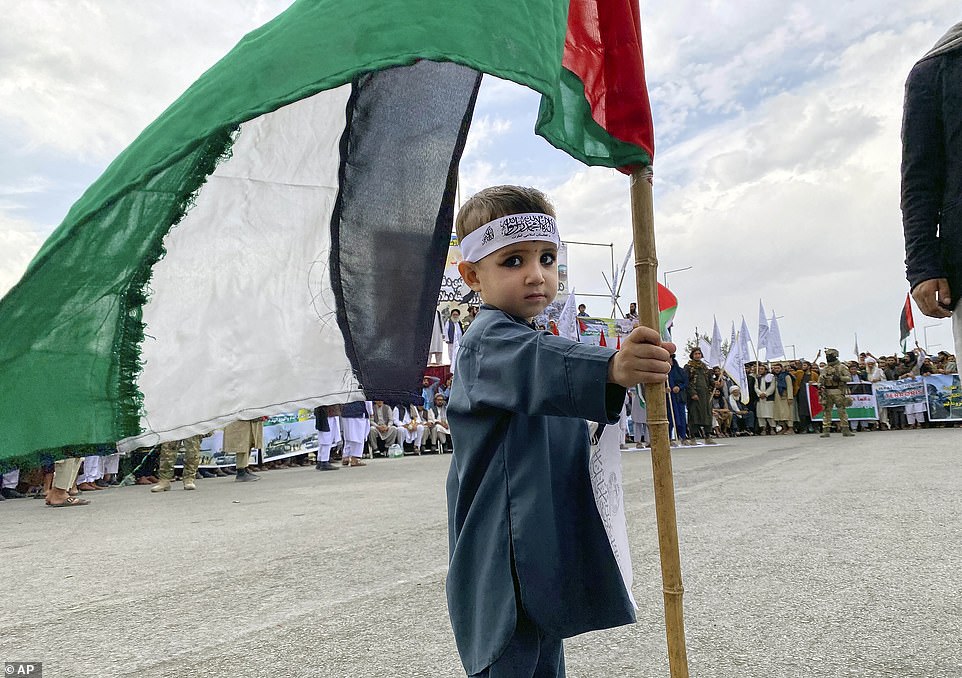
646 283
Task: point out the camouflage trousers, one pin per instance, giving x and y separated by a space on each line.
833 397
168 456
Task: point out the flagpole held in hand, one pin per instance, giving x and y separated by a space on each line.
646 281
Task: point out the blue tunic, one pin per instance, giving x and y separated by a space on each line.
521 513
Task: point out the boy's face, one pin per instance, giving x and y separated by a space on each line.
520 279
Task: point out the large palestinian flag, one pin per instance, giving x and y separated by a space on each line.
277 236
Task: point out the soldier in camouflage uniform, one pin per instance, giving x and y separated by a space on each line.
700 386
833 392
168 455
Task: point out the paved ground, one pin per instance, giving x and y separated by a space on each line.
801 556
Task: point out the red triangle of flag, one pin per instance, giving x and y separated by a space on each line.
619 343
602 342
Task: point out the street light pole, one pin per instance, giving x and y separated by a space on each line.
664 274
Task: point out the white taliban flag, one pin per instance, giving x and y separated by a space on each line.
775 349
735 362
568 319
763 329
704 346
744 339
604 465
715 359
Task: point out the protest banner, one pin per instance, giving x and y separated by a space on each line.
453 289
288 435
592 328
863 407
900 392
211 452
944 395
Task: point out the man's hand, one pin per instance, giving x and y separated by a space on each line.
932 297
643 359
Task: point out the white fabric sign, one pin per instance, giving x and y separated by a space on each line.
774 347
762 328
606 482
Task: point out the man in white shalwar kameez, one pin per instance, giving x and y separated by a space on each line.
410 427
437 423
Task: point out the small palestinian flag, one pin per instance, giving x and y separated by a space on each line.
667 305
277 237
906 322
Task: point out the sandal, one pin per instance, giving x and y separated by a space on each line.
70 501
357 462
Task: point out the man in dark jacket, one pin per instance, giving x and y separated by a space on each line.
678 401
932 180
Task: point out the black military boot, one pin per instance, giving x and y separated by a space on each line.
325 466
246 476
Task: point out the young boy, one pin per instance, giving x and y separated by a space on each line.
530 561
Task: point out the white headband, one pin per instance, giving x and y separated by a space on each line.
508 230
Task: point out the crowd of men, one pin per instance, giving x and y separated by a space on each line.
345 433
705 402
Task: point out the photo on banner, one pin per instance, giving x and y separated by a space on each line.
944 397
211 452
591 330
288 435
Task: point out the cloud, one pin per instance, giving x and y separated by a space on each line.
27 185
66 80
484 130
19 242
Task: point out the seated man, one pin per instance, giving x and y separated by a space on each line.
384 430
437 425
743 419
410 427
720 411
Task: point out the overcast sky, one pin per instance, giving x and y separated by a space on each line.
776 165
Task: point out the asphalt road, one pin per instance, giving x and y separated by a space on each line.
801 557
